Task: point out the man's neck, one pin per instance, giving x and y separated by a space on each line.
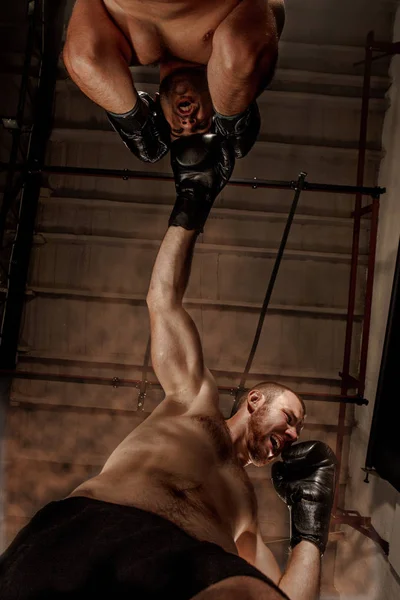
173 64
237 430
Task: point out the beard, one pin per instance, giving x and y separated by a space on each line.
257 438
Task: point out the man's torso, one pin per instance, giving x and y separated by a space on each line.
161 29
183 468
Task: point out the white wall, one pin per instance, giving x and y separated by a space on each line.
362 570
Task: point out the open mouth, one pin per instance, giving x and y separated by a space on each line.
185 107
277 444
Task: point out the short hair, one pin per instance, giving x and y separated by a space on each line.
270 390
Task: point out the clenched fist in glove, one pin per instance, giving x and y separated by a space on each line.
305 480
143 129
202 165
240 130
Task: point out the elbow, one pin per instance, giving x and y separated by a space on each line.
160 298
153 299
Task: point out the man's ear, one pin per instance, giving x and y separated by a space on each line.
254 400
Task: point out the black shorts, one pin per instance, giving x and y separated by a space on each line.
83 548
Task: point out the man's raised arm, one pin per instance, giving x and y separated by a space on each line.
97 56
242 63
202 164
244 54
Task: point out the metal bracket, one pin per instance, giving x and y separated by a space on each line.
361 401
348 379
368 471
366 210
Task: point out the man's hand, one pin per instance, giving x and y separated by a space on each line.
143 129
305 480
202 165
240 130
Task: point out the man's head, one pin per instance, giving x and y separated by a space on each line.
270 416
186 102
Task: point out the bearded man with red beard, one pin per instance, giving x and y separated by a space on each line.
173 513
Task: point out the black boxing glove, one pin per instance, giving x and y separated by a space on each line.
241 130
305 480
144 129
202 165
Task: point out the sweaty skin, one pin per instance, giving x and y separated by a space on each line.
183 465
185 462
161 29
226 49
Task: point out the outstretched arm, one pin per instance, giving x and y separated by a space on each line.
176 350
244 54
202 166
97 57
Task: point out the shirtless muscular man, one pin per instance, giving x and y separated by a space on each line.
173 514
215 57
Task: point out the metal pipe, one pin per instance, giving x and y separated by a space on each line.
368 295
254 183
22 246
116 382
270 287
354 260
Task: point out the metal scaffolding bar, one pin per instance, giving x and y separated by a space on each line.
254 183
368 295
271 284
117 382
11 191
42 122
346 383
362 524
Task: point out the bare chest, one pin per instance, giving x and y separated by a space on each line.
161 29
184 470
